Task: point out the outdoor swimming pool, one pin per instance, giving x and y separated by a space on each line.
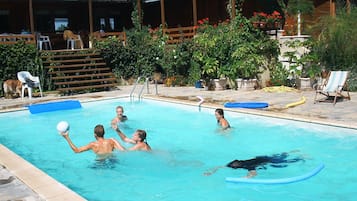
186 143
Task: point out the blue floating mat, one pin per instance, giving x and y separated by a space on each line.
246 105
277 181
54 106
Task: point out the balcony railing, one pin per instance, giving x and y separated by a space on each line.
121 36
14 38
180 34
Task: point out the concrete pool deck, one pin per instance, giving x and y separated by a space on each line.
19 180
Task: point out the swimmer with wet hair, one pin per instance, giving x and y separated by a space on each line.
138 139
276 160
141 143
219 113
102 147
120 117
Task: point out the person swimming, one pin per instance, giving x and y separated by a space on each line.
120 117
138 139
102 147
219 113
259 162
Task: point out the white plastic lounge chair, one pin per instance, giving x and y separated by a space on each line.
28 82
334 86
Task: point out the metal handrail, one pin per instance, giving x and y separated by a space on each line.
136 83
142 88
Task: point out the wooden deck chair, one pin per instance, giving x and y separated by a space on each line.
334 86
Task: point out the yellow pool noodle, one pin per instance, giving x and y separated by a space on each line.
302 101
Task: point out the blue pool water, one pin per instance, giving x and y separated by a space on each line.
186 143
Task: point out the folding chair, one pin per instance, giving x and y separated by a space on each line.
333 87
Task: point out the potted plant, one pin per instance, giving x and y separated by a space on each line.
250 53
279 76
210 73
232 50
259 19
310 70
264 20
304 66
252 58
210 55
274 20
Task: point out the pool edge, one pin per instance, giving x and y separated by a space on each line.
45 186
260 112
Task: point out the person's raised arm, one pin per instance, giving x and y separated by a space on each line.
123 136
73 147
114 123
251 174
117 145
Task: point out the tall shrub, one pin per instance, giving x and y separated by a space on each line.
233 49
175 60
18 57
336 44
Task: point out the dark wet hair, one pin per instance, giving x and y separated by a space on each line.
142 135
235 164
121 107
99 130
220 111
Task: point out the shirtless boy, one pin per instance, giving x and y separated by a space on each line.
102 147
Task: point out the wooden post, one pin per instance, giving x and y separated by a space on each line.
90 12
333 8
162 5
348 6
194 12
139 12
233 4
32 26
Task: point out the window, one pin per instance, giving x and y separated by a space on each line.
102 21
4 21
111 23
107 24
61 24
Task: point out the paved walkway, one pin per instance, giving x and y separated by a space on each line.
344 114
12 189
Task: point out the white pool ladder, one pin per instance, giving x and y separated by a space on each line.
142 88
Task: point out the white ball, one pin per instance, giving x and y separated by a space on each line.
62 126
